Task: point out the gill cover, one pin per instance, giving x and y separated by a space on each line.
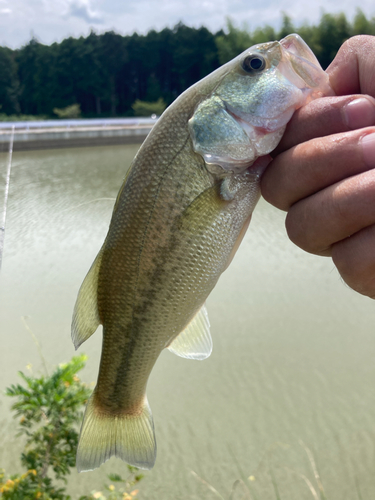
245 117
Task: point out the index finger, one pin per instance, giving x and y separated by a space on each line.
353 70
327 116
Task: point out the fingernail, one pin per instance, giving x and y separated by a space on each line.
368 148
359 113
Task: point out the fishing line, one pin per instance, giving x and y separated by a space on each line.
6 193
86 203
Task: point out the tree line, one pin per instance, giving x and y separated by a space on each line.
105 74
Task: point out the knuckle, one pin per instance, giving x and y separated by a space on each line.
297 228
270 184
307 229
358 273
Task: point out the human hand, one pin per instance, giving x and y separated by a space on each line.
323 169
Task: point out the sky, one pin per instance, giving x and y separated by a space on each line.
54 20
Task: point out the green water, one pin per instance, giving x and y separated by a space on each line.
293 361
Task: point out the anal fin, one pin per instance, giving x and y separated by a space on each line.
85 316
195 341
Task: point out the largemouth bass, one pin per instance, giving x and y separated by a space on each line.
177 222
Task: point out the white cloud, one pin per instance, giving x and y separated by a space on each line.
83 10
54 20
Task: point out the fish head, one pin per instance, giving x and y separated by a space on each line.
245 115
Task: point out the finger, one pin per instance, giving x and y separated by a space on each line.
354 258
333 214
353 70
327 116
311 166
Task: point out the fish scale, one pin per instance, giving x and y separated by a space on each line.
177 222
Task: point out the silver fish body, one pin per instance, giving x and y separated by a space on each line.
177 222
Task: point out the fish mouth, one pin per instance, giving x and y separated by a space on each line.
301 67
255 127
294 44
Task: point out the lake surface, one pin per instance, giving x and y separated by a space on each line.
294 348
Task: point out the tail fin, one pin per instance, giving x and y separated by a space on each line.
129 437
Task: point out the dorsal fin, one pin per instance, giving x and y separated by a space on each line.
195 341
85 316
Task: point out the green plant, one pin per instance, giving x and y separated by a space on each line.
144 108
29 486
72 111
21 118
49 408
124 489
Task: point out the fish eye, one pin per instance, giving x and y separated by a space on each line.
254 63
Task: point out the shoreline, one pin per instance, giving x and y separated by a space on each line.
29 136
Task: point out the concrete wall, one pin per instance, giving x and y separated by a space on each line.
26 140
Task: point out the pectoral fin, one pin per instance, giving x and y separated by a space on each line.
195 341
85 316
